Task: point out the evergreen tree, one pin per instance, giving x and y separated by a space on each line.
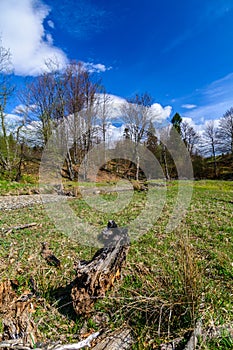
176 122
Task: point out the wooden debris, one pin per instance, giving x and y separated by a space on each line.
82 344
139 185
98 275
172 345
120 339
197 337
193 340
20 227
6 295
17 344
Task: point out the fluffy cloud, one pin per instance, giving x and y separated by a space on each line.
22 31
160 114
200 127
50 24
96 68
115 103
188 106
114 133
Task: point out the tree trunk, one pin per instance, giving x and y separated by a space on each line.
164 156
138 166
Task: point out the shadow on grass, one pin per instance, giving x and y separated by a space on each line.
62 298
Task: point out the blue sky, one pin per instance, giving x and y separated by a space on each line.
179 51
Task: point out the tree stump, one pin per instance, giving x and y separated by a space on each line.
98 275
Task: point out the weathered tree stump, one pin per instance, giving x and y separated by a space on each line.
98 275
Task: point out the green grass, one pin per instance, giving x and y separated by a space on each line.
171 279
26 186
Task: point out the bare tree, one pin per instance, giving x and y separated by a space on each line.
190 136
5 92
137 114
42 102
63 98
209 143
104 102
9 154
225 132
104 105
80 92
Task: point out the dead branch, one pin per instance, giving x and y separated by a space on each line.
17 344
79 345
20 227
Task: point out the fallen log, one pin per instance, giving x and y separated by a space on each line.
97 276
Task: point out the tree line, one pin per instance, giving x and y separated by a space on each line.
76 100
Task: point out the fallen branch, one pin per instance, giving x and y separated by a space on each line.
20 227
17 344
79 345
121 339
13 344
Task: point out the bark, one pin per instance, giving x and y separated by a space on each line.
120 339
17 315
97 276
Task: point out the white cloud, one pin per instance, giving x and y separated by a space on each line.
115 123
160 113
95 68
210 111
114 133
12 119
200 128
190 121
212 100
22 31
189 106
49 39
50 24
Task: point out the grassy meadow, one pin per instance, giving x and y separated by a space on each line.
171 279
